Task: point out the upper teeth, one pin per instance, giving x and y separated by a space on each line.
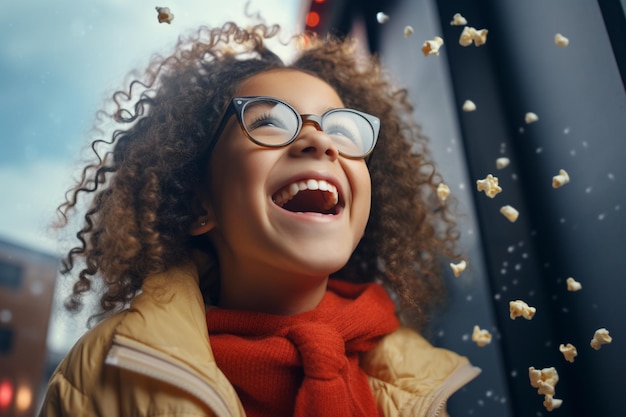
288 192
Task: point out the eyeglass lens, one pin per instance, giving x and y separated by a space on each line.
274 123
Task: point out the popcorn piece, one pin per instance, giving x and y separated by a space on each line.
573 285
482 337
164 15
561 40
469 105
550 403
519 308
470 34
458 268
502 162
600 337
489 185
382 18
443 191
510 213
432 47
530 117
458 20
545 381
561 179
548 376
569 352
408 31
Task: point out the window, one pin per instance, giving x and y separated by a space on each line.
6 340
10 275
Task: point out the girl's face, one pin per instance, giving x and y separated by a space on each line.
262 240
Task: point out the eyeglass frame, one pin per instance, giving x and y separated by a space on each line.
238 104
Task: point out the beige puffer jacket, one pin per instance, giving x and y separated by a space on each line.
154 359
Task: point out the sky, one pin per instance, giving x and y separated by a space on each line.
59 62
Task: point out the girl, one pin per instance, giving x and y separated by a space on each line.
246 227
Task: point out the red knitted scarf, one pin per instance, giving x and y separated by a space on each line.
307 364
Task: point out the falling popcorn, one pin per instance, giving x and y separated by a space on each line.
561 40
518 308
469 105
547 376
573 285
458 268
408 31
481 337
545 381
164 15
530 117
382 18
568 351
510 213
489 185
443 191
561 179
502 162
470 34
458 20
432 47
550 403
600 337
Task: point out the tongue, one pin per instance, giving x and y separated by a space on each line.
312 201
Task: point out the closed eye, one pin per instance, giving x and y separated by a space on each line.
349 132
267 120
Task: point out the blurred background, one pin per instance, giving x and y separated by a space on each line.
60 62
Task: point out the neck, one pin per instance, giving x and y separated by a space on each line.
287 296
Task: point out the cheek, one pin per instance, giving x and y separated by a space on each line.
362 192
362 176
226 180
238 180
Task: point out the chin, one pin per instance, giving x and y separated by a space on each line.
322 267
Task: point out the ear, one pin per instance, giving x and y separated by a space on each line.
205 222
202 225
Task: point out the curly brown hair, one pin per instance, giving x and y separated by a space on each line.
142 189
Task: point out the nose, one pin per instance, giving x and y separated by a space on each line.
313 142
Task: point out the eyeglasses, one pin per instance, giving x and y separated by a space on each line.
271 122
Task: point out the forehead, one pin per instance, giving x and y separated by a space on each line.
305 92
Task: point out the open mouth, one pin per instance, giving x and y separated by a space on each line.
308 196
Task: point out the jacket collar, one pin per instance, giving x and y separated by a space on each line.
169 316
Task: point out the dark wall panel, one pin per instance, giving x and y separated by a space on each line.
578 230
